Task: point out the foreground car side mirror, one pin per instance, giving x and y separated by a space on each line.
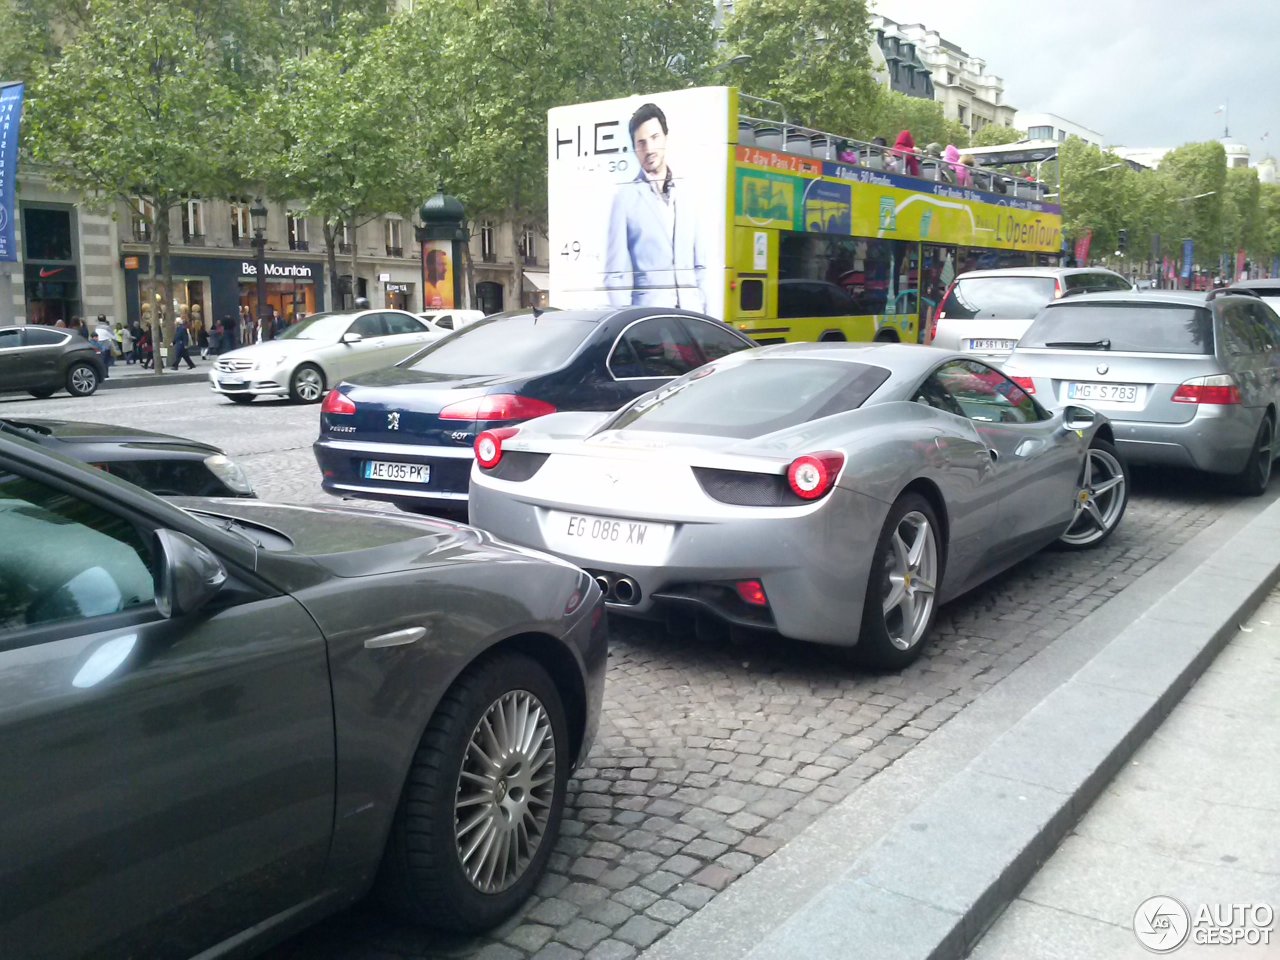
1078 418
350 337
189 576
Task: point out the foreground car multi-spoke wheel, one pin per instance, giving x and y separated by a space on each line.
1253 479
902 590
483 800
1100 498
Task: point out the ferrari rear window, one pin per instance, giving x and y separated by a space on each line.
1123 327
748 400
997 298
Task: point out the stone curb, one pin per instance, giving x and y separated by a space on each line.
127 381
924 878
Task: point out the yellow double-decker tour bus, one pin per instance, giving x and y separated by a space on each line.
709 200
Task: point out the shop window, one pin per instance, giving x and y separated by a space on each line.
529 246
394 234
142 216
241 223
488 251
46 233
193 221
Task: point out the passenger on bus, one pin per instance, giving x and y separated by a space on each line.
904 148
963 177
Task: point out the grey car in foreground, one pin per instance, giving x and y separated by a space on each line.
1186 379
831 492
223 721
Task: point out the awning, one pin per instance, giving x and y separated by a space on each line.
539 279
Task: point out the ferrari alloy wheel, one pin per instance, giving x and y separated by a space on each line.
902 589
1253 479
307 384
1100 498
482 805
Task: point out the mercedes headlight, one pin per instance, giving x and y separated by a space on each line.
271 362
229 472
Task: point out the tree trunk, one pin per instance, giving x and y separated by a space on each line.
331 257
468 276
353 230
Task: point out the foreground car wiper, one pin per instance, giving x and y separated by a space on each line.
1103 344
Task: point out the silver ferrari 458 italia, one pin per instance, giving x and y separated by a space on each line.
832 492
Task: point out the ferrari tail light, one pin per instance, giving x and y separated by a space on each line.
752 592
1057 289
337 402
497 406
489 446
1026 383
812 475
1221 390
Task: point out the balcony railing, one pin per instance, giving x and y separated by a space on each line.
301 245
395 251
529 260
193 239
344 247
489 256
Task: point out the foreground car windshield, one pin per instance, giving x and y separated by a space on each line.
998 298
1130 327
749 400
322 326
512 344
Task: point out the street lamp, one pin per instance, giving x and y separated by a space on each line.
1196 197
258 215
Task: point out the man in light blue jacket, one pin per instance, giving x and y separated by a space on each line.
654 254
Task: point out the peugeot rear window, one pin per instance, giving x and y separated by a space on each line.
1124 327
998 298
519 343
747 400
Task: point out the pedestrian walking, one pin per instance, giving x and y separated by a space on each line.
146 348
102 343
181 345
229 333
126 345
81 327
202 339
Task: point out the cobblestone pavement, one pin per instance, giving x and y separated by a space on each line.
712 751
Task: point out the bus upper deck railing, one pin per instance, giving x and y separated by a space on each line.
787 137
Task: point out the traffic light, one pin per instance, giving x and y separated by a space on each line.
1123 238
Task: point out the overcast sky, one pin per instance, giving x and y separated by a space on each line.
1144 73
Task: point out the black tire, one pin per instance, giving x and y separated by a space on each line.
239 397
1098 511
305 381
44 393
880 642
423 879
1252 481
82 380
886 336
832 336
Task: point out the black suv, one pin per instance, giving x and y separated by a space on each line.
43 360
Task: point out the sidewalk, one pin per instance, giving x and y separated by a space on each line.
133 375
920 862
1194 816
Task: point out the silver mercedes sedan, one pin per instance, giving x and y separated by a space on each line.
312 355
1187 380
831 492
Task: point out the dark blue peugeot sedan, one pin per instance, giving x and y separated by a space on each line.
405 434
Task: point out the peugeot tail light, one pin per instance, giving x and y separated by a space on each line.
497 406
338 402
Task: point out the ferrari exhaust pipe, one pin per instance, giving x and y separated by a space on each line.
626 590
605 586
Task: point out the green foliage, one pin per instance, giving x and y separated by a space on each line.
812 56
891 112
994 134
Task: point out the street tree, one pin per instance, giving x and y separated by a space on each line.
891 112
812 56
325 137
140 105
1198 172
995 134
1242 226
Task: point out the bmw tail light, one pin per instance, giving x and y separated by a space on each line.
1026 383
497 406
337 402
489 446
814 474
1221 390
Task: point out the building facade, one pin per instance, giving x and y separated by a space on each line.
903 70
1050 126
961 83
